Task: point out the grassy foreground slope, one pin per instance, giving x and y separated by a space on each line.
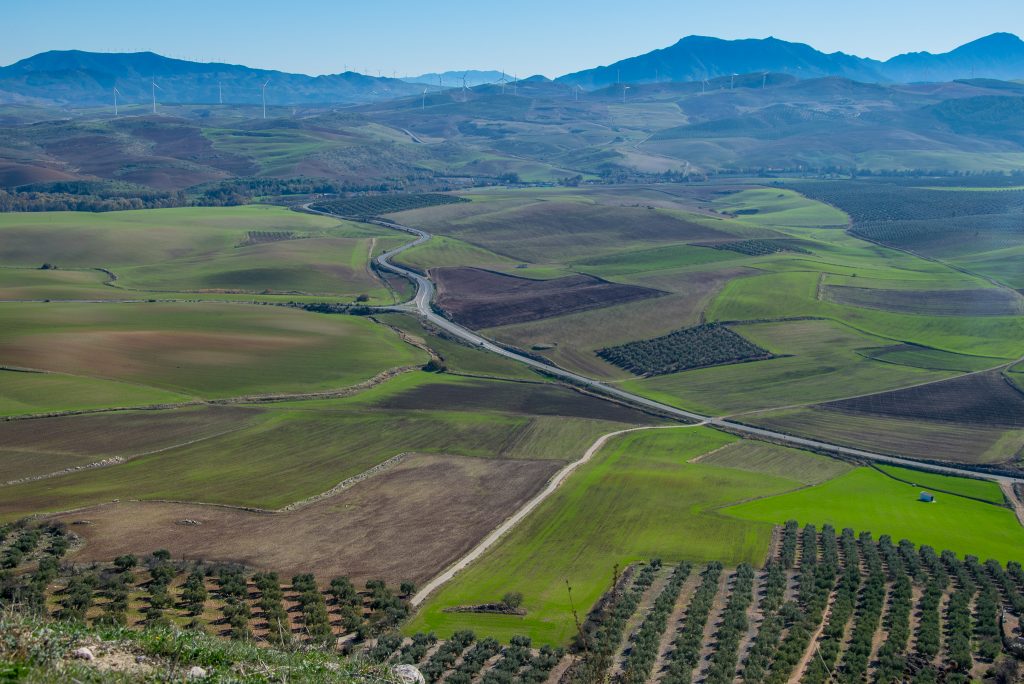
867 500
41 650
637 499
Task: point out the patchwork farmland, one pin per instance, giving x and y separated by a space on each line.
249 429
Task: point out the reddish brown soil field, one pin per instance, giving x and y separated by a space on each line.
16 173
173 139
485 299
983 399
513 397
991 302
408 522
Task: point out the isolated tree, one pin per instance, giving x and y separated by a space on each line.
407 588
512 600
126 562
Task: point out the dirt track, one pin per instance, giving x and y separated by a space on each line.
520 514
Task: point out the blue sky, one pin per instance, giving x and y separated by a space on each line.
523 36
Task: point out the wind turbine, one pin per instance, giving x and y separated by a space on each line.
764 80
116 93
264 91
576 90
464 86
423 105
515 84
624 89
502 81
220 92
732 82
155 88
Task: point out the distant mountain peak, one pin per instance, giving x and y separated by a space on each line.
80 78
694 58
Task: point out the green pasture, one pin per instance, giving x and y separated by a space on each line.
867 500
656 259
336 267
206 350
776 207
777 461
932 359
461 358
442 251
275 150
818 360
188 250
979 489
35 284
27 393
781 295
294 450
932 440
639 498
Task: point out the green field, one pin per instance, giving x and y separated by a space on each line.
206 350
978 489
35 283
190 250
657 259
442 251
933 359
639 498
297 449
777 207
458 357
939 440
793 294
867 500
777 461
818 360
27 393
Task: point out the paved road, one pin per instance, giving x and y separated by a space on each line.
422 305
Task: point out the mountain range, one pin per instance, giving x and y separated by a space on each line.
74 77
451 79
1000 56
77 78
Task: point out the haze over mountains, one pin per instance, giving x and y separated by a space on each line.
77 78
451 79
1000 55
74 77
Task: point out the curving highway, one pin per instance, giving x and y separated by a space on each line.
422 305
